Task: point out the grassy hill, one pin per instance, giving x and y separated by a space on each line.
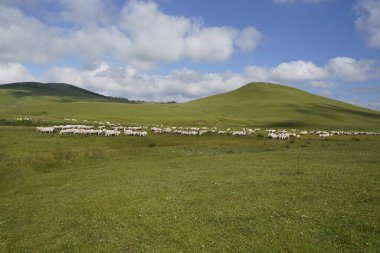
255 104
283 106
59 91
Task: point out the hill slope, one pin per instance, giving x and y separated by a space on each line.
62 91
255 104
283 106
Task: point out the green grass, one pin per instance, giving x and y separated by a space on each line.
61 91
187 194
256 104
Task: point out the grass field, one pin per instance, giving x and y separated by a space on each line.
187 194
255 104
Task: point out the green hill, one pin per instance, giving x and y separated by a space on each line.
284 106
57 91
255 104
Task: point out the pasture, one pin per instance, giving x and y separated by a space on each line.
172 193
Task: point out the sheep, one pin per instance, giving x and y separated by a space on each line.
109 133
325 134
282 136
128 132
238 133
202 132
156 130
45 130
187 131
69 131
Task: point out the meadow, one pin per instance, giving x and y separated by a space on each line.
171 193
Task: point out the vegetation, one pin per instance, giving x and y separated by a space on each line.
60 91
255 104
171 193
187 194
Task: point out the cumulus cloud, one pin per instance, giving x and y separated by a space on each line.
155 36
185 84
349 69
139 34
249 39
25 39
213 44
340 68
368 21
294 71
180 85
87 12
14 72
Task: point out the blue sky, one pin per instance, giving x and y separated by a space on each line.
168 50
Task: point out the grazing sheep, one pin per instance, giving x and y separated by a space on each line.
238 133
45 130
109 133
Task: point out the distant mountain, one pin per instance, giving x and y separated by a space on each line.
64 91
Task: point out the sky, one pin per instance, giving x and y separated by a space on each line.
180 50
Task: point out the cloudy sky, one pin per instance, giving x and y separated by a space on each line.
164 50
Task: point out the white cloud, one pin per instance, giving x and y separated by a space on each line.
368 21
249 39
90 44
349 69
340 68
14 72
180 85
139 34
87 12
25 39
155 36
299 71
186 84
213 44
294 71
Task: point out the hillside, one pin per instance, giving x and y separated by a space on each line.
60 91
255 104
284 106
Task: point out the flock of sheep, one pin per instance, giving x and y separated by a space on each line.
108 129
89 130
